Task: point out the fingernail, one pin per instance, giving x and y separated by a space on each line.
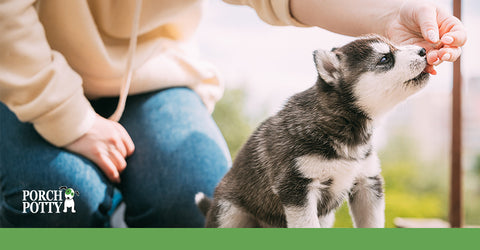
447 39
437 62
446 57
432 35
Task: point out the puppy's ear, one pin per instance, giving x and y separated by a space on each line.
328 66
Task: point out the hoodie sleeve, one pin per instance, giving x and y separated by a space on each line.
274 12
37 83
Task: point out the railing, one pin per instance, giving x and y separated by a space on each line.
456 201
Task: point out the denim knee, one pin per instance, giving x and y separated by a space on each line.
165 198
179 152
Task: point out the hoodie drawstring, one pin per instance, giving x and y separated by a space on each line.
127 79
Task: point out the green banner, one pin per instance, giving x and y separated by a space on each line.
238 238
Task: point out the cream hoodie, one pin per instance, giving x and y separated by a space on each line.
54 54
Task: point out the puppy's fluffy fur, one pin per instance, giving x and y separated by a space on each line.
302 163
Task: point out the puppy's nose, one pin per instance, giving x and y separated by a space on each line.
422 52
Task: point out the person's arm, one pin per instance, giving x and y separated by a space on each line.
418 22
39 86
274 12
404 22
346 17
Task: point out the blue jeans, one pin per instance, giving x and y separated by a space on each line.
179 152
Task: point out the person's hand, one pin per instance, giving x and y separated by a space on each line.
107 144
428 26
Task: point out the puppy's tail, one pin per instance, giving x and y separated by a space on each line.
203 203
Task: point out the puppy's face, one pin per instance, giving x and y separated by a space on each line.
378 74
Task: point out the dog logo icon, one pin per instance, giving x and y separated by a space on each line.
69 203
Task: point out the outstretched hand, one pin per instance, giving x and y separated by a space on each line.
431 27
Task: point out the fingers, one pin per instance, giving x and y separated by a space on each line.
107 166
110 161
126 140
119 146
449 54
432 57
427 20
455 38
452 30
430 69
118 159
436 57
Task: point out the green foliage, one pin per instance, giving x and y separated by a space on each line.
412 188
400 204
406 204
476 165
342 217
471 204
231 119
403 170
472 193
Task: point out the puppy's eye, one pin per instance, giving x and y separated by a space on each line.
385 59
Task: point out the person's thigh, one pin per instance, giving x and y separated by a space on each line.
29 164
179 152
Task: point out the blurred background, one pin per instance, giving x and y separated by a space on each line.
263 65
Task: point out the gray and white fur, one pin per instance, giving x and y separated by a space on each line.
301 164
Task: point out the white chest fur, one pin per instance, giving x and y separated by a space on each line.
342 173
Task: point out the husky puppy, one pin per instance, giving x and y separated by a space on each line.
302 163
